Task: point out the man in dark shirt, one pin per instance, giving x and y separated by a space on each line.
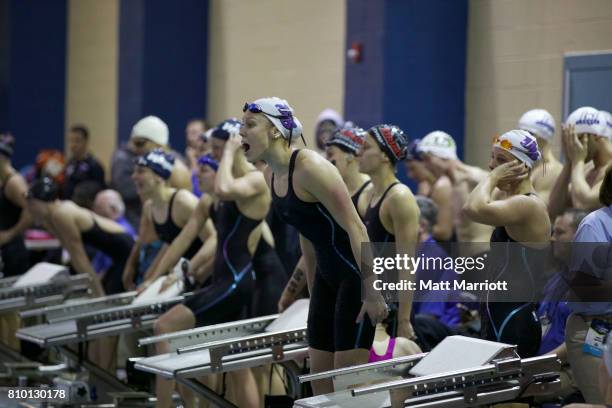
82 166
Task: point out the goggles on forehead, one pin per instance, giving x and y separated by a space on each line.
286 120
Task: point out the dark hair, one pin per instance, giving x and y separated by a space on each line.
82 129
44 189
605 192
428 210
85 193
199 120
577 215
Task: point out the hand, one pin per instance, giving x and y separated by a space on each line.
143 286
375 307
576 148
233 143
5 237
168 282
285 301
509 172
566 131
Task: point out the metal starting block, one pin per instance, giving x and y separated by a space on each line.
83 321
440 378
54 291
229 346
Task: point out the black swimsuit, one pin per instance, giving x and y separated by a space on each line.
335 300
513 322
168 231
355 197
14 253
229 294
116 246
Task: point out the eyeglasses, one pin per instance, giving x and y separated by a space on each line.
286 120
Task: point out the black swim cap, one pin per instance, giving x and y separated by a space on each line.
44 189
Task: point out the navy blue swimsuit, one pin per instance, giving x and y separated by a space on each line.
335 300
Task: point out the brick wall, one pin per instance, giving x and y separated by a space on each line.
287 48
515 60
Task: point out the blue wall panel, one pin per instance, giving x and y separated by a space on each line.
422 54
36 76
163 63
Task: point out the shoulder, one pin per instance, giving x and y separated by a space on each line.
185 198
400 195
443 182
592 226
311 165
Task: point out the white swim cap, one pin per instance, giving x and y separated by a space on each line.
607 119
587 120
521 144
438 143
153 129
280 113
539 122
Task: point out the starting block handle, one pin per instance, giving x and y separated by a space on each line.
407 360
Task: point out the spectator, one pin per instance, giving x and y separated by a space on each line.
108 203
594 228
327 123
435 318
82 166
196 145
147 134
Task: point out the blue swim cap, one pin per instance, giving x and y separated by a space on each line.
224 129
160 162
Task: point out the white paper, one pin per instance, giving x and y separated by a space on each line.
294 317
42 272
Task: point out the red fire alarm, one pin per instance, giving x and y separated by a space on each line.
355 52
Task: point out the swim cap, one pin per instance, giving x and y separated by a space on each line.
280 113
521 144
160 163
6 149
440 144
348 139
153 129
391 140
43 189
412 153
539 122
224 129
587 120
207 160
607 119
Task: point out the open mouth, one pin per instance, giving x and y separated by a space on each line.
246 146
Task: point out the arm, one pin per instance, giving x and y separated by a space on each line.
294 287
442 196
203 261
129 272
480 207
70 237
582 195
559 195
15 191
182 242
405 217
227 187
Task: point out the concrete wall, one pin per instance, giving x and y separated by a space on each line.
515 60
288 48
91 85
